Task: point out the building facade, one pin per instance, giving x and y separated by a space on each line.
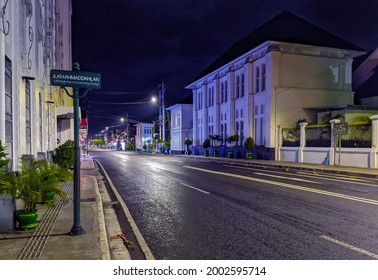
181 126
269 79
35 37
143 135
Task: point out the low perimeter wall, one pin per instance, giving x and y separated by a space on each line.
358 157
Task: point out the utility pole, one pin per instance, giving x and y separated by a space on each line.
162 112
127 128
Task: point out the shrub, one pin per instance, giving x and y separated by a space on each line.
249 143
206 143
64 154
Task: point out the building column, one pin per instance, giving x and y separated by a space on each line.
232 102
374 142
195 117
251 102
279 143
302 140
2 87
217 107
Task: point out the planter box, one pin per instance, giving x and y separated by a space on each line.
6 213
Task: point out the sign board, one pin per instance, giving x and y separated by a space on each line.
340 129
77 79
83 132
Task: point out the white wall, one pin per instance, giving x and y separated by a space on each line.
34 57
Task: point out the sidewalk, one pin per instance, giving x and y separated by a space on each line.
50 240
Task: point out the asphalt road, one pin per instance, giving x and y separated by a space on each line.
193 209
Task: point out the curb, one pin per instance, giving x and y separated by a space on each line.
142 243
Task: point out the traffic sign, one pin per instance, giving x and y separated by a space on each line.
340 129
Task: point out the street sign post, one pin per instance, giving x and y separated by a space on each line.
76 79
340 129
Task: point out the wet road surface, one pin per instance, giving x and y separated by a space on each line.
193 209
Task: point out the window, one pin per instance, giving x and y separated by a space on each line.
256 109
222 92
40 121
242 86
28 115
237 87
8 106
212 97
241 113
178 119
262 109
237 113
263 77
257 79
225 91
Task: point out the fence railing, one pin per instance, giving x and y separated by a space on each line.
359 135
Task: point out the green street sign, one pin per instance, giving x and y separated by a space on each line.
77 79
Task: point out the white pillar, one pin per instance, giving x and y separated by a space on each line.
302 140
374 142
279 143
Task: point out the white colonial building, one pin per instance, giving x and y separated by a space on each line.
35 37
143 135
181 125
269 78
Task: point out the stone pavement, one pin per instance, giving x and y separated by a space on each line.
101 241
50 240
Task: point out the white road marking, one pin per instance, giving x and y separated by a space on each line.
306 174
362 251
349 180
194 188
289 186
287 178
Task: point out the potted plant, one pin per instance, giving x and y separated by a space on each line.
215 140
249 144
232 139
188 142
206 145
37 182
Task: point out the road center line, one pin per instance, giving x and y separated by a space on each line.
370 254
194 188
339 195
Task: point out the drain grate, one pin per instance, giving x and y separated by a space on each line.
37 242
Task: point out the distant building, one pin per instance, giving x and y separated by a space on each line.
143 135
35 37
181 124
269 78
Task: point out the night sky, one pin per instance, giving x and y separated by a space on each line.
138 44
